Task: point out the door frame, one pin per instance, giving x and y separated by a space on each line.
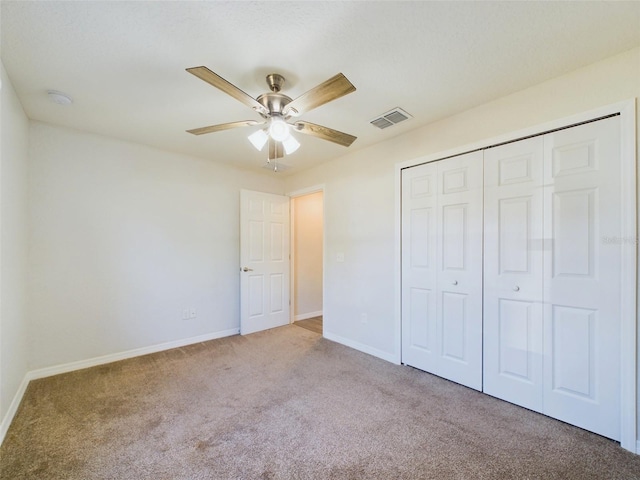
629 240
294 194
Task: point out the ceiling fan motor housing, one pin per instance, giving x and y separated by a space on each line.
274 102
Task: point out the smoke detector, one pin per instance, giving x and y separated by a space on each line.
59 97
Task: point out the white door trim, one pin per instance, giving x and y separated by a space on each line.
301 193
628 347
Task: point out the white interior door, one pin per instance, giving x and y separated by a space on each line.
513 249
442 268
582 294
264 261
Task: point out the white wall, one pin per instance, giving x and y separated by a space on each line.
124 238
359 191
359 224
14 129
307 238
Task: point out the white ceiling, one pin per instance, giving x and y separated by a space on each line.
124 62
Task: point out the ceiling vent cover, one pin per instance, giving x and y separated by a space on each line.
276 166
390 118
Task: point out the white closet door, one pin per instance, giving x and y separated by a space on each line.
459 269
582 276
513 246
442 268
419 207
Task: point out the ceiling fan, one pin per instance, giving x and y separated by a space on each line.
280 112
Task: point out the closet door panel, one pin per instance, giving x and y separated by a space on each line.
442 268
516 342
513 246
459 321
419 298
582 276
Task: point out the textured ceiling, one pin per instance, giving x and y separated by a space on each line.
124 62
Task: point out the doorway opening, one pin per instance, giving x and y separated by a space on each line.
307 234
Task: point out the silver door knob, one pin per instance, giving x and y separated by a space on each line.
247 269
516 288
455 282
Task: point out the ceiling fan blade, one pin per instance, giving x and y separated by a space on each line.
224 126
217 81
336 87
275 149
325 133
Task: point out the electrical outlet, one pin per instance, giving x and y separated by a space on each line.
185 314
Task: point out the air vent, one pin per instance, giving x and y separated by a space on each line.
381 122
276 166
390 118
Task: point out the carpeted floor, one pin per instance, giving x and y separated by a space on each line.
286 404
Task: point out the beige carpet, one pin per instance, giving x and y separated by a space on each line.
286 404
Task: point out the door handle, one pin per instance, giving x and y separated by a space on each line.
247 269
455 282
516 288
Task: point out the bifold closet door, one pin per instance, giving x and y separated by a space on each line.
419 246
582 284
442 268
513 260
552 285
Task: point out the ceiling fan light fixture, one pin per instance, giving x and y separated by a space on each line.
259 139
278 129
290 144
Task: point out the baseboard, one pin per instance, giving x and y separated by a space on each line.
114 357
92 362
304 316
638 447
13 408
389 357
